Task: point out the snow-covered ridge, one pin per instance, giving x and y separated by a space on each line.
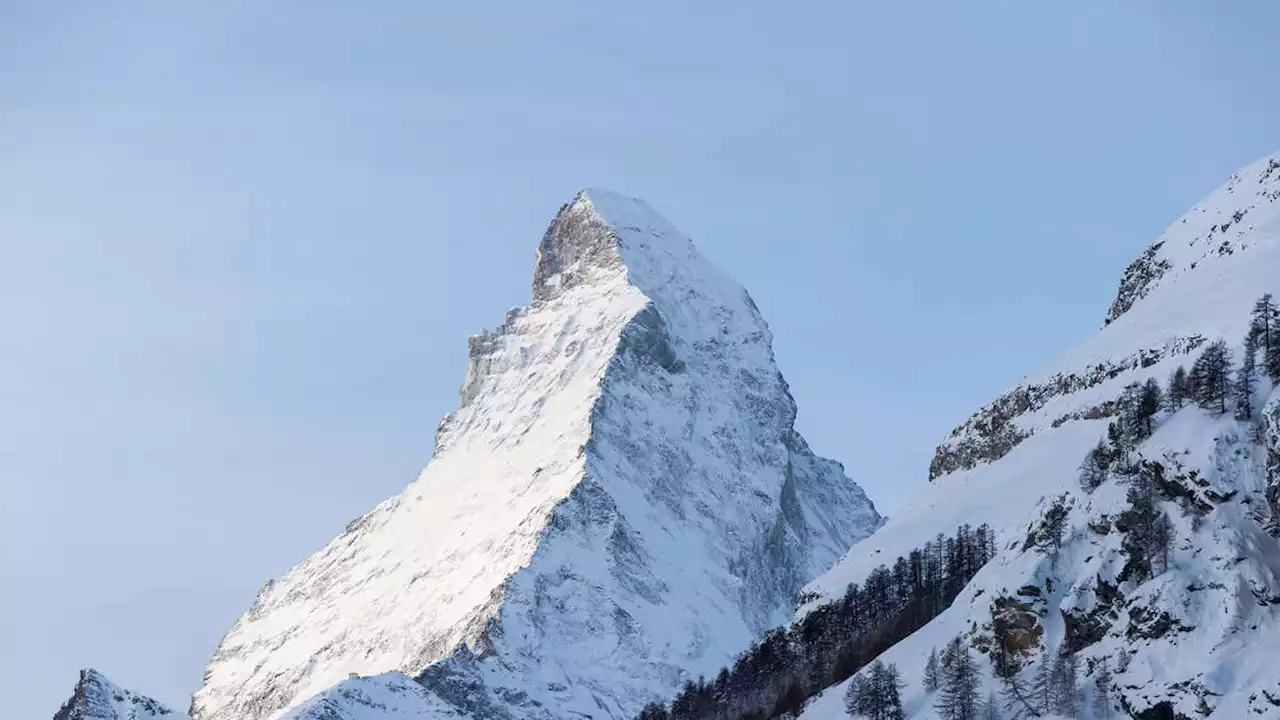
97 698
619 502
1198 638
1171 298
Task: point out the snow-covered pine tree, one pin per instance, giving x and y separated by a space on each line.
1093 471
1149 533
1053 526
1179 389
1266 324
876 694
932 675
1133 426
958 694
1102 692
1152 398
857 696
1066 685
1211 377
1042 699
1162 537
888 684
1246 377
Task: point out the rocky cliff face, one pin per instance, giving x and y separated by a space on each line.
1185 638
620 502
97 698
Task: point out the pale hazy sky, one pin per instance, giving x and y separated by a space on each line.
242 245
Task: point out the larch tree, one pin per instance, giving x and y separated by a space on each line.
932 676
1266 324
1246 377
1102 692
1211 377
958 693
1179 389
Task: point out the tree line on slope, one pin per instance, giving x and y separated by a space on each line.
954 679
1053 689
1210 385
833 641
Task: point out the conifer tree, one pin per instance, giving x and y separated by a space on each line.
1162 537
1211 377
1066 689
1149 533
857 696
958 694
888 685
1093 471
932 677
1152 399
1102 692
1266 325
1179 389
1042 698
1053 526
877 694
1133 426
1115 440
1246 378
1017 696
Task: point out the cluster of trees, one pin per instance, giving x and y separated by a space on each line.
876 695
955 678
1263 338
835 640
1053 690
1210 385
1149 533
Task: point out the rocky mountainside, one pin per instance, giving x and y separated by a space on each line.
1164 619
620 502
97 698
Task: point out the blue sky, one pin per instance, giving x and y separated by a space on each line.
241 246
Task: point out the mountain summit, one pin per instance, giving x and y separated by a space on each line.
620 503
97 698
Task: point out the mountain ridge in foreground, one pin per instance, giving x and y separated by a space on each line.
1155 567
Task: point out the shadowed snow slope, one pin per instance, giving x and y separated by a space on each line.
1200 637
619 503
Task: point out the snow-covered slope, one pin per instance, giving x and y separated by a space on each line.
389 696
1199 638
97 698
620 502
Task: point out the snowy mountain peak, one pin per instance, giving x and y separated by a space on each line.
601 233
620 502
97 698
